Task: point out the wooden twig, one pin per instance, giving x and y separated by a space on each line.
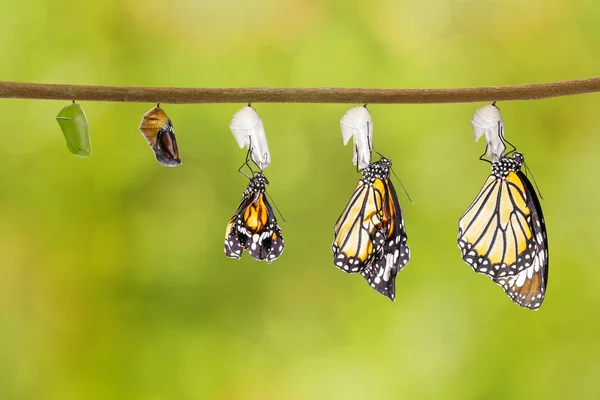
47 91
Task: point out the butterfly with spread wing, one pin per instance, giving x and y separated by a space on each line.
254 226
370 237
503 234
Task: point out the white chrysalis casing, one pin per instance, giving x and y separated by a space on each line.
357 123
489 122
248 129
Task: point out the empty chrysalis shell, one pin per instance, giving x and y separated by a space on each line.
357 123
158 131
73 123
248 130
489 122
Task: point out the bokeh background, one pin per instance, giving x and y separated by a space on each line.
113 281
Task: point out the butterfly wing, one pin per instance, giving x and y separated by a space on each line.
267 242
395 253
359 231
236 239
165 148
277 243
528 287
495 236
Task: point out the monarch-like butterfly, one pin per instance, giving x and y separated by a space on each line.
157 128
503 234
254 226
370 237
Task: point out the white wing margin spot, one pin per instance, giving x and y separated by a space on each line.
488 121
357 123
248 130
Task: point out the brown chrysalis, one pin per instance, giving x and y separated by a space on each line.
158 131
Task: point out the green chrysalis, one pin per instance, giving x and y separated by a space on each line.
74 126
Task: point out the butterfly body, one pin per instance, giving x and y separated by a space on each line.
254 227
503 234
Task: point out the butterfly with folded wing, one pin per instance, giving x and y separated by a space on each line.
369 236
503 233
254 227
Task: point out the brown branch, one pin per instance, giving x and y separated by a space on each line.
22 90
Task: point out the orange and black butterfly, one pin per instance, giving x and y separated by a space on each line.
254 226
370 237
503 234
158 131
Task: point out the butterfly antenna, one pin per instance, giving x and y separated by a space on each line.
534 182
403 188
277 208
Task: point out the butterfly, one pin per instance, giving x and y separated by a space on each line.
503 233
369 236
254 226
158 131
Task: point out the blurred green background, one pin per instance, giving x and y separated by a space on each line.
113 281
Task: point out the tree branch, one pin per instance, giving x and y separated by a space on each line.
46 91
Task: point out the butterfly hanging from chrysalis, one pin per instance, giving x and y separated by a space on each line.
74 126
254 226
370 235
158 131
503 233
